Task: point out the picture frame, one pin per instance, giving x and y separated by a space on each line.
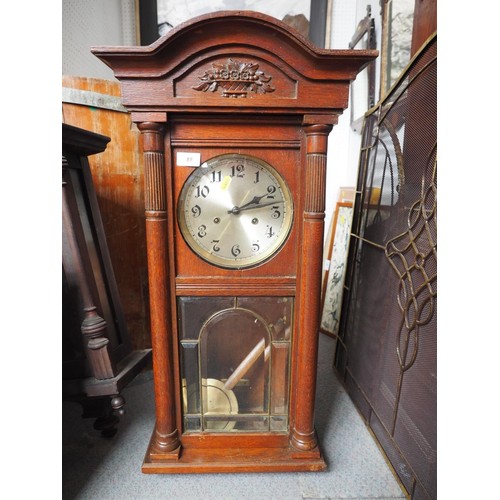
167 14
396 41
334 269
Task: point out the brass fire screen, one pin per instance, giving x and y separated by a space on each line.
386 352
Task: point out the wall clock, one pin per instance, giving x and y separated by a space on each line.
235 109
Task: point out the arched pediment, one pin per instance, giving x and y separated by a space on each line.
234 58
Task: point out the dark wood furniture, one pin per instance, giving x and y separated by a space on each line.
98 360
234 348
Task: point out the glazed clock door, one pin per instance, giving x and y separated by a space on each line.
235 362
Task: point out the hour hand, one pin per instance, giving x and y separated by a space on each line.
254 201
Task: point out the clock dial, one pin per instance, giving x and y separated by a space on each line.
235 211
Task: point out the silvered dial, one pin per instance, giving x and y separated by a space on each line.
235 211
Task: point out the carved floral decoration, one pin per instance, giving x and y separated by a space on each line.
235 79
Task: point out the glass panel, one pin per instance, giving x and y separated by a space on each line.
219 404
195 311
276 311
279 377
235 370
192 423
234 346
279 424
235 423
190 376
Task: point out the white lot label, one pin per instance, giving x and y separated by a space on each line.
188 159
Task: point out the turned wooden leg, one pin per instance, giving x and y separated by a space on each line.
93 326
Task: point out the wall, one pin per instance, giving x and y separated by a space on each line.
94 22
344 143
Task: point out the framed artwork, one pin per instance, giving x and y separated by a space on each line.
335 265
397 29
310 18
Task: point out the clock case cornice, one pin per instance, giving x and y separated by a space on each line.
304 79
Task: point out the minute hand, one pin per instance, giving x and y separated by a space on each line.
260 205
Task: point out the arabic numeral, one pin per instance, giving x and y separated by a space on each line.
237 170
255 247
276 213
271 190
235 250
196 211
257 175
216 176
202 231
270 233
202 191
216 248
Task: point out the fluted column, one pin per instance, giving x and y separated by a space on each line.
166 436
303 435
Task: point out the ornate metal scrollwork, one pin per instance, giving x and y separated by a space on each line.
412 255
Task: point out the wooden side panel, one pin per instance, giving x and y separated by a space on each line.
118 179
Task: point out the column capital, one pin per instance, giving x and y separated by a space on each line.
150 126
318 128
152 137
317 138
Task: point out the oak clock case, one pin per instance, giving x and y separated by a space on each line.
234 109
235 211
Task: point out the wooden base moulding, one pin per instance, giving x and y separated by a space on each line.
205 461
